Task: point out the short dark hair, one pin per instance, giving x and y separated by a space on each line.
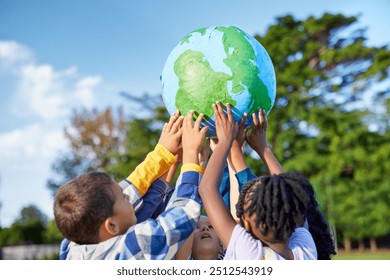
279 202
82 205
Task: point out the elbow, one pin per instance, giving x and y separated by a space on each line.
204 190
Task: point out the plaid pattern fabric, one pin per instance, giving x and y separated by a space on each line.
152 239
155 200
133 193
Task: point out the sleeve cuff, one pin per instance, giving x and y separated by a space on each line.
156 163
192 167
244 176
165 154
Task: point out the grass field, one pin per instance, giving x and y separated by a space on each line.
380 255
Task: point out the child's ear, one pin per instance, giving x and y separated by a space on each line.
247 225
111 226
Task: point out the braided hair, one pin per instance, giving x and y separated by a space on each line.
282 203
318 227
279 203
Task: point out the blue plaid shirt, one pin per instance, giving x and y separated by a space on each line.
153 239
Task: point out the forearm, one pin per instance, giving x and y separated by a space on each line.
272 163
178 221
189 172
234 192
244 176
215 166
155 200
175 224
236 158
171 173
217 212
236 163
185 250
156 163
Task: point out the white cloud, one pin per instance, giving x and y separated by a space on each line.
30 147
84 90
41 90
39 100
51 94
12 53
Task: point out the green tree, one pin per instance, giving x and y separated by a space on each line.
142 135
52 235
108 141
10 236
28 228
31 213
318 126
93 137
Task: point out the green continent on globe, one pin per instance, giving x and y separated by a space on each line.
202 31
199 85
243 68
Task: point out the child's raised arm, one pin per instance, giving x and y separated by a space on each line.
236 163
156 163
192 138
219 215
257 140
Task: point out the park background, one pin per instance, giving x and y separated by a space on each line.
80 90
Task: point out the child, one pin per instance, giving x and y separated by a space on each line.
95 214
206 243
203 244
155 165
316 222
262 203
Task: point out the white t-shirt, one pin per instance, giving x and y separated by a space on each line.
242 246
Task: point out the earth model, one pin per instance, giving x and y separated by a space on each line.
220 63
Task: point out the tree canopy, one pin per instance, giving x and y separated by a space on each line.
321 125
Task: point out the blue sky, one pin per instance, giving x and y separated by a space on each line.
59 55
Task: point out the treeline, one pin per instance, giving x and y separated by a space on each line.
31 227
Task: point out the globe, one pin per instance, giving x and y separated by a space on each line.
219 63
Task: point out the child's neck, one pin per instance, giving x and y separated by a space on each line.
282 249
206 256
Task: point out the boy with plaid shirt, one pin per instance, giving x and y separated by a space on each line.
95 213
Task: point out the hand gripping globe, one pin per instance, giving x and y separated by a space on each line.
221 63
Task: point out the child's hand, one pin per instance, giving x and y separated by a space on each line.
225 125
213 143
256 138
192 138
240 137
204 153
171 133
236 159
